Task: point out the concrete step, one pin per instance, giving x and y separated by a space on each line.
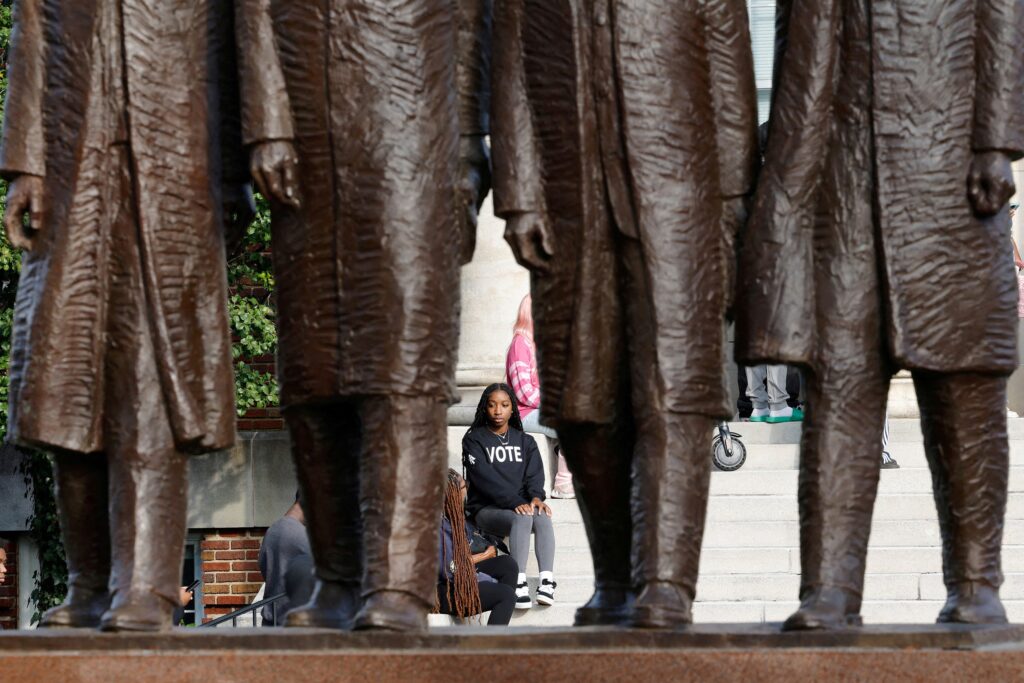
785 534
786 456
561 614
776 587
901 506
760 482
768 560
783 507
900 430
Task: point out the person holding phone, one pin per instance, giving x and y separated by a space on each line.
185 595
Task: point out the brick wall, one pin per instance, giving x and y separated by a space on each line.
9 590
231 573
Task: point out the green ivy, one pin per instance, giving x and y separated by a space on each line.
251 311
51 579
252 325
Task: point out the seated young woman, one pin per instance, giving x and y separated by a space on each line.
506 488
471 583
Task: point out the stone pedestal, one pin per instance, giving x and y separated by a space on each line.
706 653
903 397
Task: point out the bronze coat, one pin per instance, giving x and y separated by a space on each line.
655 101
895 96
367 269
78 85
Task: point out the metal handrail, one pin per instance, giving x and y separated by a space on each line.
233 616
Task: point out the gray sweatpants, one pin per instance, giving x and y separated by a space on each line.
775 396
518 527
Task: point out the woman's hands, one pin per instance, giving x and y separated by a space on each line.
534 506
485 555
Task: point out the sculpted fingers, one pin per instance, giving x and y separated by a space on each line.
527 235
290 180
256 171
274 169
24 195
547 241
275 189
13 213
990 182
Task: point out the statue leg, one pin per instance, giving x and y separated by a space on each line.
963 418
82 509
148 471
402 473
600 457
671 477
325 447
840 459
148 490
671 469
847 388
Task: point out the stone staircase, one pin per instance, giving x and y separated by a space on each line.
750 564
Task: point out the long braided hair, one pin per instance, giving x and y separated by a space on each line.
480 419
463 591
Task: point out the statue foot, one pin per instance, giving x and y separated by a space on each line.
82 609
973 603
662 604
391 611
146 612
332 605
825 608
607 607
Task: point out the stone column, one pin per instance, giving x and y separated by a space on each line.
1016 388
493 284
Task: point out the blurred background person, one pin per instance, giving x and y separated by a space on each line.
521 375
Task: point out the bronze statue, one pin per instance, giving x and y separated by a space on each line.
120 132
373 188
892 129
624 139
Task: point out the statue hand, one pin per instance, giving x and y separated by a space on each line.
990 182
474 184
24 195
274 167
531 240
239 211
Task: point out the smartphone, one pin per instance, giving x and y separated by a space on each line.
195 584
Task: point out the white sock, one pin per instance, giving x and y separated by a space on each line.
550 576
522 579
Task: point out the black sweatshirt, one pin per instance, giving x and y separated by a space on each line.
504 472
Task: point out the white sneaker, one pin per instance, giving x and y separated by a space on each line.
523 596
546 592
760 414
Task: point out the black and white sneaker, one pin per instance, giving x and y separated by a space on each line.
523 596
889 462
546 592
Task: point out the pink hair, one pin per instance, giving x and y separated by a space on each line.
524 321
